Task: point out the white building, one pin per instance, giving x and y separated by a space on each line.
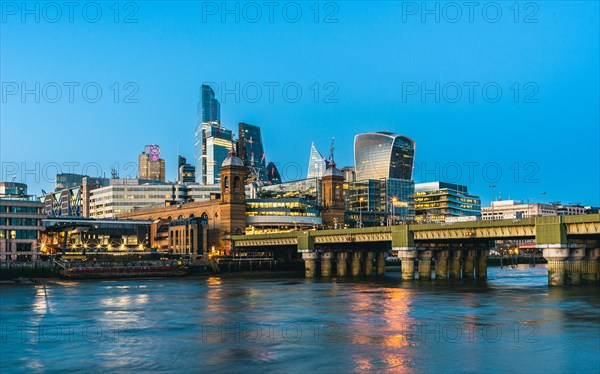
507 209
126 195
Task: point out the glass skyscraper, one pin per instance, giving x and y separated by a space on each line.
251 150
209 108
383 155
212 142
316 163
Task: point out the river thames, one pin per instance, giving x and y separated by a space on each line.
282 323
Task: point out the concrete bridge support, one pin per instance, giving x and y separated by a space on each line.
342 264
481 264
407 262
425 264
310 264
441 264
556 257
355 265
589 273
454 263
469 263
573 266
381 263
326 258
369 263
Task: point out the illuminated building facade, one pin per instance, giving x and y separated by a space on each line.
20 223
213 145
379 202
267 215
91 236
380 155
440 202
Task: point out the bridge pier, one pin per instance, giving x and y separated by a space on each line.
381 263
326 258
425 264
441 264
369 263
407 263
556 256
342 264
355 265
573 266
310 264
589 272
469 263
454 263
481 264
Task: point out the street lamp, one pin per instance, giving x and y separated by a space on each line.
360 223
492 186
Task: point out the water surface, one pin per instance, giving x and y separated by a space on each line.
511 322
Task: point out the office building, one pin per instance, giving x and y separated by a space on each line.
349 173
209 108
72 201
251 151
441 202
65 181
20 223
316 163
212 143
127 195
12 189
507 209
151 166
273 176
285 214
186 173
380 155
379 202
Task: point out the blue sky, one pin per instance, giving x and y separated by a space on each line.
540 135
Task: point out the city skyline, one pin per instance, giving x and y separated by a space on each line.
502 137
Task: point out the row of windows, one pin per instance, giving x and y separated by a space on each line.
294 214
18 234
19 222
19 209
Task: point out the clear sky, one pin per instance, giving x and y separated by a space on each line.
360 66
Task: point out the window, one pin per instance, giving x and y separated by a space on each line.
23 247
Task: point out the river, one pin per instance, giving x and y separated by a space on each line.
282 323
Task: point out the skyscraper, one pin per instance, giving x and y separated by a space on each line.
186 173
209 108
316 163
251 150
212 142
273 176
151 166
383 155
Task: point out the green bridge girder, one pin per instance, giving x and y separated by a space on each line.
545 230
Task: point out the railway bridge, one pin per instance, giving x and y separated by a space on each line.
571 244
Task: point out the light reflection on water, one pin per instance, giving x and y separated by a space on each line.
513 321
